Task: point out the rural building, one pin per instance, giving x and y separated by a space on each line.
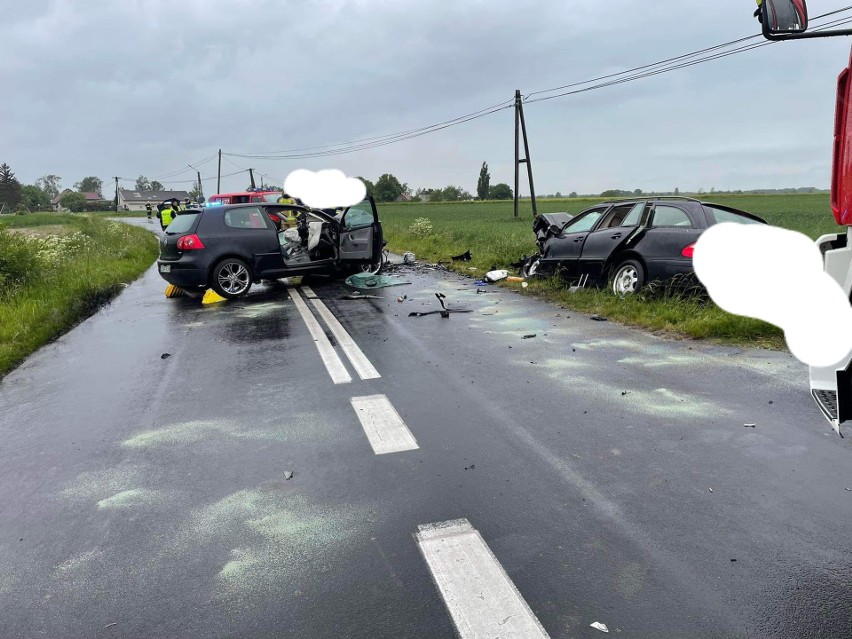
136 200
90 197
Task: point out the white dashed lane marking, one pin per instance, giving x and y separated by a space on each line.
383 426
356 356
481 598
333 364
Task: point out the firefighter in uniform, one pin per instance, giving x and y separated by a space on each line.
167 215
290 221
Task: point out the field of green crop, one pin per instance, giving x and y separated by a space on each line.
495 238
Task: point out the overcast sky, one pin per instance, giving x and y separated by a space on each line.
102 87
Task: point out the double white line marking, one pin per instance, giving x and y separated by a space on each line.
383 426
333 363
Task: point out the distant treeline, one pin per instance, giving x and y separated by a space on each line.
702 192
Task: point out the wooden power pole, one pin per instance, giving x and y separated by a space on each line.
521 127
219 174
116 194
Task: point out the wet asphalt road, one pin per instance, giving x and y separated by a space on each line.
146 497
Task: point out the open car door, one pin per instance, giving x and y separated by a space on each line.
360 233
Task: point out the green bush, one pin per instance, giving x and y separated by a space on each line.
17 261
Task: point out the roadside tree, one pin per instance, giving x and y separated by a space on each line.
10 188
482 186
143 183
50 184
73 201
35 198
501 191
371 188
388 188
90 185
156 186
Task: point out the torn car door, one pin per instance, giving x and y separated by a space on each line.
620 225
360 232
563 251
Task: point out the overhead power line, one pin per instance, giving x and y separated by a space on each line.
700 56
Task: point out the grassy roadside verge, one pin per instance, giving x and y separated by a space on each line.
495 238
56 270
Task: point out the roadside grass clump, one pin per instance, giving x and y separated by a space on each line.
49 282
496 239
421 227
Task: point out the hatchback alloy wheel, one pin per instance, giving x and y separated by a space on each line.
232 278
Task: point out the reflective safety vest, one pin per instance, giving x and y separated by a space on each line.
167 215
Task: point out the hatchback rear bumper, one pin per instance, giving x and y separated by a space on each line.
182 276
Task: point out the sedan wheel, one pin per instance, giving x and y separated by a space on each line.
628 279
231 278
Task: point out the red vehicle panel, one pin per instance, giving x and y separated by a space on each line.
244 197
841 170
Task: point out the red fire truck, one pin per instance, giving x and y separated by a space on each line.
831 386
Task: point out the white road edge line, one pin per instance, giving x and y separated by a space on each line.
383 426
481 598
335 367
356 356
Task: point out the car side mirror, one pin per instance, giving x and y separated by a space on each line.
782 17
555 229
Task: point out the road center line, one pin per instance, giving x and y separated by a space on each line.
335 367
356 356
481 598
383 425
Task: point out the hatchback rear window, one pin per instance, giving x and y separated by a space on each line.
182 223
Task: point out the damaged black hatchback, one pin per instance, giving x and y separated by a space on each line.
625 244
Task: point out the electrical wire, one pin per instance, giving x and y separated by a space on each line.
700 56
378 138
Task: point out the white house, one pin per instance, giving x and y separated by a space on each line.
136 200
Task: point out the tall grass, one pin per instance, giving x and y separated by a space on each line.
497 239
48 283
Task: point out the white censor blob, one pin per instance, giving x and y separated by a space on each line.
326 189
776 275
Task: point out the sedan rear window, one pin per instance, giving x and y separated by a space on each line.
721 215
182 223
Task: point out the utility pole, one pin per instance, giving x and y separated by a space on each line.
116 194
200 191
251 175
520 126
219 174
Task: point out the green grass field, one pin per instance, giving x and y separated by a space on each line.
495 238
56 270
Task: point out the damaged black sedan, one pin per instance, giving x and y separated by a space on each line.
625 244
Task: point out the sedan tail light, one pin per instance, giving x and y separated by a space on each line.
190 243
688 250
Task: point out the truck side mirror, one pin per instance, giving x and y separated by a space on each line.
780 17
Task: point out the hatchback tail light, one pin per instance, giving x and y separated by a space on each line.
688 251
190 243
